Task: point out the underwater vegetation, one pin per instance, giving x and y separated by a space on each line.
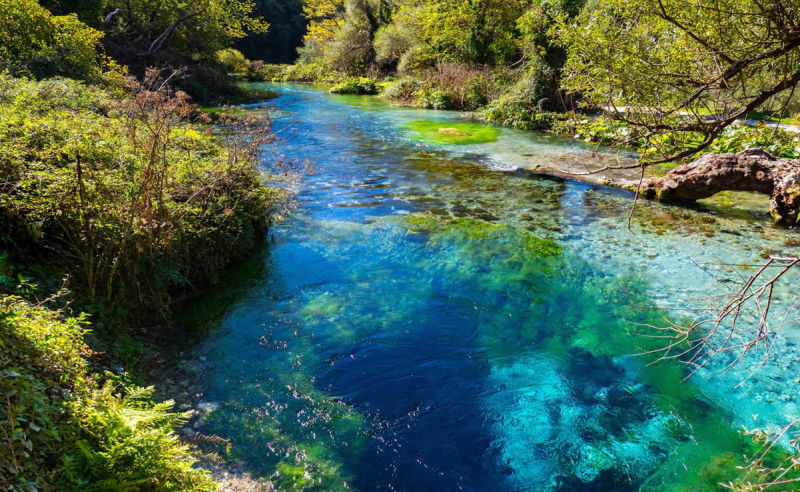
562 345
452 132
330 398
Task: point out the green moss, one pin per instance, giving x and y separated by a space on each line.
291 477
453 132
474 228
469 229
541 247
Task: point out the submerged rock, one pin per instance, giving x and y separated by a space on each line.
207 406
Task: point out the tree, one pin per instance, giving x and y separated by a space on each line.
683 70
472 31
148 31
324 19
35 42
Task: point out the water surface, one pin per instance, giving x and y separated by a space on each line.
430 320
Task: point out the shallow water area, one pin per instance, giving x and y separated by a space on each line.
430 320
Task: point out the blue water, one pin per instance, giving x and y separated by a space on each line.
427 319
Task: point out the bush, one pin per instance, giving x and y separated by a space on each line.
34 42
233 60
358 85
434 99
404 89
269 72
351 51
62 429
140 204
520 114
450 86
317 71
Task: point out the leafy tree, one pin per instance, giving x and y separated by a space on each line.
34 41
148 31
473 31
667 65
324 19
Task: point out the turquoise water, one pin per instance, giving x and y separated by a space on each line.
431 319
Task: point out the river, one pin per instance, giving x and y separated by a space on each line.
430 319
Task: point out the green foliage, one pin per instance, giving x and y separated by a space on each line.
138 202
609 131
404 89
60 428
314 71
453 132
351 50
199 27
776 141
233 60
269 72
356 85
519 113
686 63
479 32
34 42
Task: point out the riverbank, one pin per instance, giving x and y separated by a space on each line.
116 207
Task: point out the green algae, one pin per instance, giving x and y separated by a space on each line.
441 229
452 132
301 457
602 315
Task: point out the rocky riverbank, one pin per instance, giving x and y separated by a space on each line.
177 376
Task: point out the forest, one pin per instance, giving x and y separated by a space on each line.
130 189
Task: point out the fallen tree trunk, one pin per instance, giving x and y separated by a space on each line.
749 170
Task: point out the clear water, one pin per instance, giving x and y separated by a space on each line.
429 321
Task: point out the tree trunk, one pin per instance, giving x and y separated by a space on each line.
749 170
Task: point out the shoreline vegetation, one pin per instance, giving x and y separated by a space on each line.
779 137
119 202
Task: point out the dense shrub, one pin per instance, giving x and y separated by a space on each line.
269 72
520 114
233 60
63 429
316 71
34 42
137 203
449 86
357 85
404 89
351 51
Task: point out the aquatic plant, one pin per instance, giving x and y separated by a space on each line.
452 132
290 434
